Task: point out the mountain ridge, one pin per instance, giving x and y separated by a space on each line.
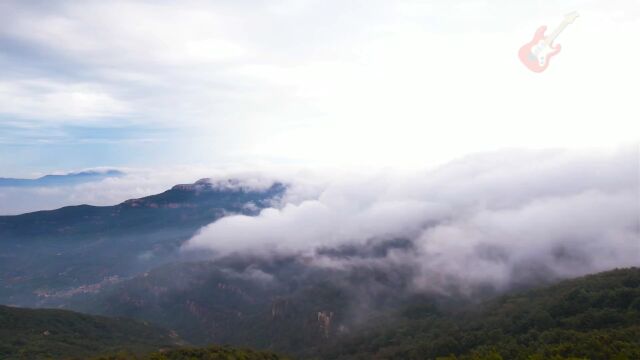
81 245
73 178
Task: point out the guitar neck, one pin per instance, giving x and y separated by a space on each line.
556 32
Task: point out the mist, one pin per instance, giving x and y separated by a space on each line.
494 219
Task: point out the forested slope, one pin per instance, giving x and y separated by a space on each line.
594 317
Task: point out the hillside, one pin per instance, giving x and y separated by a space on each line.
595 317
206 302
361 312
281 303
61 180
48 333
50 256
209 353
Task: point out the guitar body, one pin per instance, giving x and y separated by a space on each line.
537 53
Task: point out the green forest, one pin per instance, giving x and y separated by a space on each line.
209 353
595 317
59 334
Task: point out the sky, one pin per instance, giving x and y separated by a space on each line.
386 119
329 83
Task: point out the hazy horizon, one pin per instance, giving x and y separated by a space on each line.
410 84
320 179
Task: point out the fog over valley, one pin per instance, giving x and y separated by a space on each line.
319 180
493 218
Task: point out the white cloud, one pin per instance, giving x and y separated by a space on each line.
566 235
477 220
123 32
368 82
44 99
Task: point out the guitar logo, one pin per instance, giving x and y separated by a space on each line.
536 54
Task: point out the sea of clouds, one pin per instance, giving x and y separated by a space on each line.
494 218
490 219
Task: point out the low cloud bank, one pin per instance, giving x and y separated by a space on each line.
492 219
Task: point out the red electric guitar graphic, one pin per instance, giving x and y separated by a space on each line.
536 54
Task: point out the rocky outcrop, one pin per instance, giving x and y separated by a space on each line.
324 322
278 308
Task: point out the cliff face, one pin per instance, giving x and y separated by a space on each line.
279 309
324 322
300 309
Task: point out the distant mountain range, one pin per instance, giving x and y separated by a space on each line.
49 256
61 180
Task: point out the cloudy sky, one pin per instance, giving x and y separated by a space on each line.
367 83
388 119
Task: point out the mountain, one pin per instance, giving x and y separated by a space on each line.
61 180
345 302
47 333
285 303
49 256
595 317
